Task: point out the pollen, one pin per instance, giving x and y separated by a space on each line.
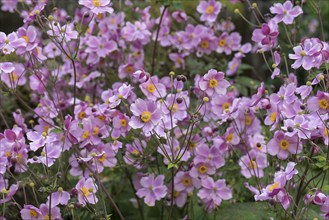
97 3
26 38
204 44
174 108
129 69
202 169
85 134
13 77
284 144
33 213
209 9
229 138
82 115
323 104
226 106
303 53
248 120
96 130
123 123
213 83
186 181
85 191
273 186
102 158
151 88
222 43
253 164
273 116
146 116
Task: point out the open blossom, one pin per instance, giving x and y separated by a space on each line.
303 56
87 191
209 10
281 145
285 12
153 89
267 35
253 164
152 189
319 103
214 82
97 6
30 212
214 192
146 115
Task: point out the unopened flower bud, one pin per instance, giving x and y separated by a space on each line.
172 73
32 185
179 100
78 205
205 99
74 192
236 11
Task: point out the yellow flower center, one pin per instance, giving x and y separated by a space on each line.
101 117
82 115
273 186
273 116
176 194
46 217
202 169
323 104
97 3
174 108
102 158
229 138
8 154
284 144
13 77
129 69
248 120
26 38
123 123
85 134
135 152
96 130
325 132
253 164
146 116
303 53
33 213
150 88
209 9
85 191
186 181
226 106
213 83
192 145
222 43
204 44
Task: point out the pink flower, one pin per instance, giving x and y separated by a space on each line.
286 12
153 89
152 189
214 82
97 6
212 193
319 103
267 35
209 10
253 163
87 191
146 115
29 212
184 182
281 145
